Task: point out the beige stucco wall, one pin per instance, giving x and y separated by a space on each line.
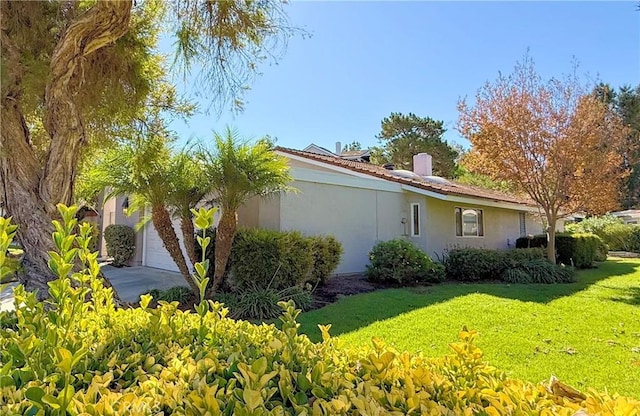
358 218
501 226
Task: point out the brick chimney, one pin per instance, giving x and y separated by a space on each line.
422 164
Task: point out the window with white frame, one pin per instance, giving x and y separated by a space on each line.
469 222
523 224
415 219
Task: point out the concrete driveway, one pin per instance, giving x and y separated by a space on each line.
131 282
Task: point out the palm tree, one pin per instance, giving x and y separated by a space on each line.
236 172
189 188
146 170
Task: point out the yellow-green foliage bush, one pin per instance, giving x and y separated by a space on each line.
76 357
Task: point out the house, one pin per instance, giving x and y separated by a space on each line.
630 216
361 204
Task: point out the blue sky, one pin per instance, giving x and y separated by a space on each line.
365 60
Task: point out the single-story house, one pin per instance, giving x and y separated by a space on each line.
630 216
362 204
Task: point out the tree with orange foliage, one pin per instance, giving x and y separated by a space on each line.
553 139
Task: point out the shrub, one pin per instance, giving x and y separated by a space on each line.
260 303
593 225
270 259
326 256
400 262
513 258
579 250
92 359
621 237
474 264
121 241
179 294
539 271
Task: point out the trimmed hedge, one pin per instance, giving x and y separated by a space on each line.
121 243
512 266
275 259
474 264
400 262
267 258
579 250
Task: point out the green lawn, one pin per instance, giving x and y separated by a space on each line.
586 333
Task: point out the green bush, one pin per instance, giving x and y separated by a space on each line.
326 252
121 243
593 225
260 303
179 294
621 237
270 259
80 355
579 250
474 264
400 262
521 265
539 271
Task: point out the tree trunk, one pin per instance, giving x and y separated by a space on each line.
29 190
551 238
20 177
188 233
162 222
224 241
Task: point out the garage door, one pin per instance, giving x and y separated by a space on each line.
155 255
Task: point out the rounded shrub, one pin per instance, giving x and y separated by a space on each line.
121 243
400 262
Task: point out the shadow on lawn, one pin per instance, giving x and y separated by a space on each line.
362 310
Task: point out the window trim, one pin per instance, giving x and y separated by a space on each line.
460 228
415 219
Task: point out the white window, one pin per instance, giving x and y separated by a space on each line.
469 222
523 224
415 219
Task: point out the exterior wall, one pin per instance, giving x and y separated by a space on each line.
501 227
358 218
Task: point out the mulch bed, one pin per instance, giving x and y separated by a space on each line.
340 286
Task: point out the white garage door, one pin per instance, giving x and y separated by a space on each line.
155 255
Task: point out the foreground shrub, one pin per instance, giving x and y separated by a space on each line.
326 251
400 262
121 243
579 250
474 264
77 357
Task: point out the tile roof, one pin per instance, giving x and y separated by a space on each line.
450 188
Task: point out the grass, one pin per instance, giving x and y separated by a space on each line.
586 333
13 263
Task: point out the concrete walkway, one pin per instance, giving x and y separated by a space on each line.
129 282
